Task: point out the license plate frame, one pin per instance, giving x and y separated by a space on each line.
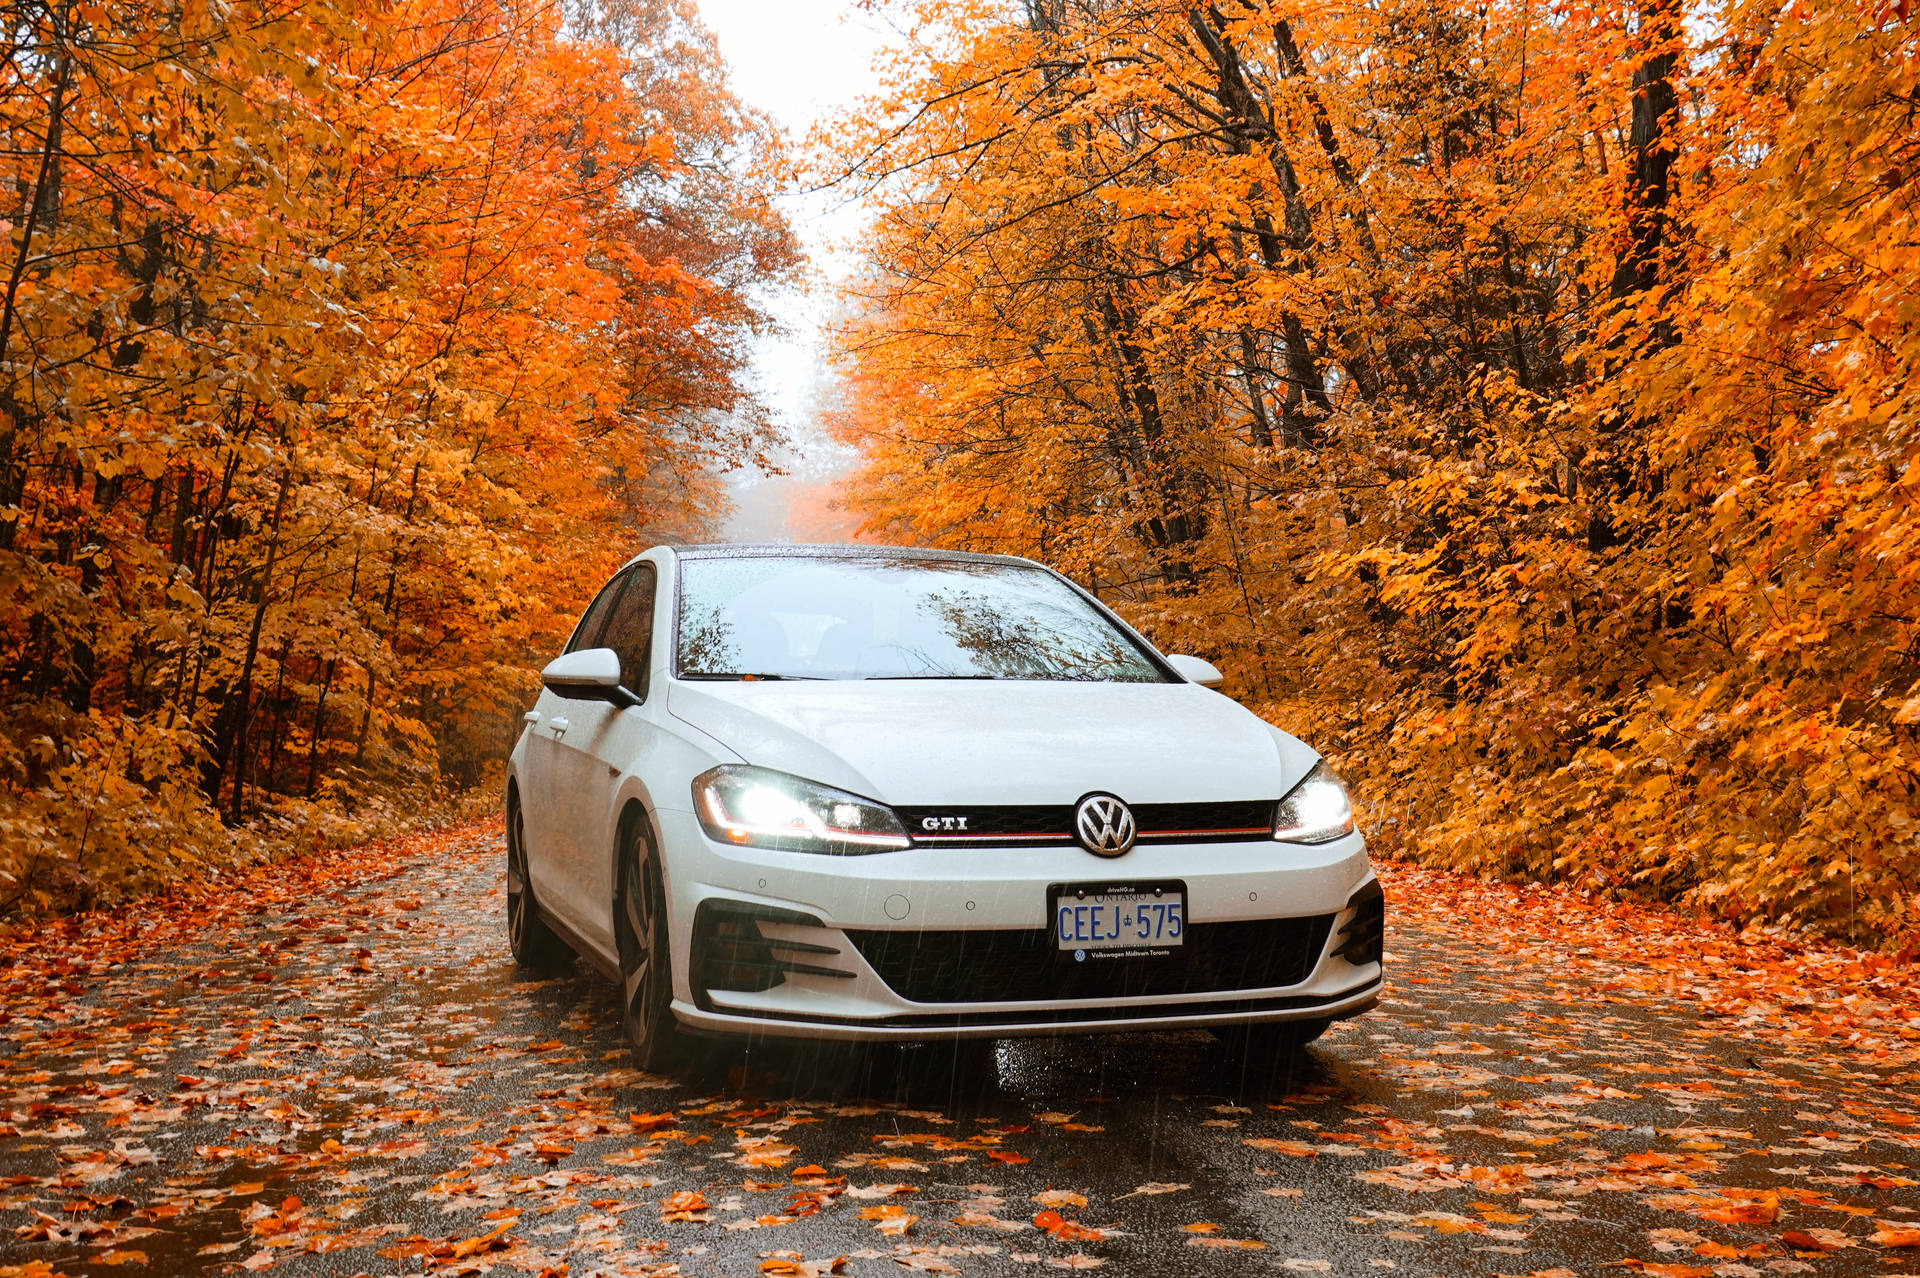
1151 949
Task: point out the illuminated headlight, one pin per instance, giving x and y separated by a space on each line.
1315 811
761 808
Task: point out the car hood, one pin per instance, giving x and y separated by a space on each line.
934 742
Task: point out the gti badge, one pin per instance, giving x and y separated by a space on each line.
1105 825
943 823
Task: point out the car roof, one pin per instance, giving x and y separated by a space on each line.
828 550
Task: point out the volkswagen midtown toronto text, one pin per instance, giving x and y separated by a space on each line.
883 794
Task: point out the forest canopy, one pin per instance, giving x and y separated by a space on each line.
1518 398
345 346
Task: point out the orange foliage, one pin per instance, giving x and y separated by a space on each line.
1520 403
345 345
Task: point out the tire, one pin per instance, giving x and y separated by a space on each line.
646 964
533 943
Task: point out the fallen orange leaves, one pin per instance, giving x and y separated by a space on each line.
686 1205
437 1252
1760 1209
1052 1222
889 1219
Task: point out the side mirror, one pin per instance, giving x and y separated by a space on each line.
591 674
1194 670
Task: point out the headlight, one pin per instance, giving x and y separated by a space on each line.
1316 810
761 808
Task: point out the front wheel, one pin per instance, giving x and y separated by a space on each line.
646 970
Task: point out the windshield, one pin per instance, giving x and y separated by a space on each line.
797 618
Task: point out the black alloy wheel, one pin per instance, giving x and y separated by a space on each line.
646 971
533 943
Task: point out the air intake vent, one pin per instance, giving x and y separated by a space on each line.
731 953
1018 965
1363 939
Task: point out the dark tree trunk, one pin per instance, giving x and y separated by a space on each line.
243 693
1650 179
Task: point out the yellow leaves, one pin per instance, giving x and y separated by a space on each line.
1060 1198
1758 1209
688 1206
1226 1244
763 1151
442 1250
1153 1188
790 1264
412 295
1892 1235
1495 555
889 1219
1291 1148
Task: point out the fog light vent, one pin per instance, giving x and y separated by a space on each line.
1363 939
731 953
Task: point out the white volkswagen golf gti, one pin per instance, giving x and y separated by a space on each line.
886 794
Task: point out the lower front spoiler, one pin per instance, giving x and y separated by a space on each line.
924 1027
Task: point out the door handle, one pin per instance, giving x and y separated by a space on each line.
559 726
531 716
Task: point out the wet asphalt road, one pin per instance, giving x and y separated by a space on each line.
368 1084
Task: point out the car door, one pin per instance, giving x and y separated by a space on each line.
596 749
544 768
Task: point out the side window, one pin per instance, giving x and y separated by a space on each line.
629 629
587 633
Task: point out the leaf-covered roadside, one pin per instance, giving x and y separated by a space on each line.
1787 990
330 1066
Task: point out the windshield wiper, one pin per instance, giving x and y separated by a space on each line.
748 674
946 676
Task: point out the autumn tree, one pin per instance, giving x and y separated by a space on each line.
1516 398
344 347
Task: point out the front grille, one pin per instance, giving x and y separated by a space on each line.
1020 965
987 826
1032 821
1223 820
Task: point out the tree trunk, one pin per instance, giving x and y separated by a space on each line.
1650 180
244 692
42 208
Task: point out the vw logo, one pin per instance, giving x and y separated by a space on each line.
1105 824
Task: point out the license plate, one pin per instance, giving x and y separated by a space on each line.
1119 919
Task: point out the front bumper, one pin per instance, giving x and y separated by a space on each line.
797 945
1127 1019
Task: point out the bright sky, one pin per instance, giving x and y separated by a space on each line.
800 61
